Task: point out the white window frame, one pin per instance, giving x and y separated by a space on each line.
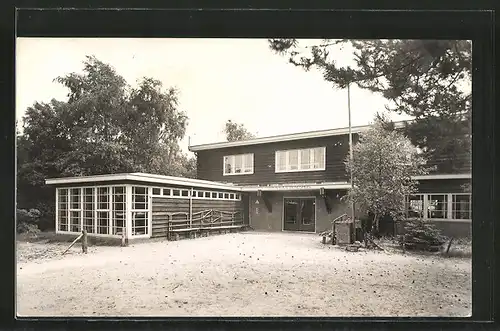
112 209
233 196
104 210
232 162
94 219
58 221
71 209
452 205
147 211
299 163
95 188
449 207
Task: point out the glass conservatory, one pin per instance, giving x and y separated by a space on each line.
119 205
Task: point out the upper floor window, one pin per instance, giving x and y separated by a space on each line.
308 159
241 164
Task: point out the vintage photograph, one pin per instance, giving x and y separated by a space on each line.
243 177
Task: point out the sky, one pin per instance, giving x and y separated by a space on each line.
218 80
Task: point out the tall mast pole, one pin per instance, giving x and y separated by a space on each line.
351 158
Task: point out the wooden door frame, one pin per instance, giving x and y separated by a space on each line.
300 197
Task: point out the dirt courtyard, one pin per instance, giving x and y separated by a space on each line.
241 274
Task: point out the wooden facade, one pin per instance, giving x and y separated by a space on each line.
166 209
267 210
210 162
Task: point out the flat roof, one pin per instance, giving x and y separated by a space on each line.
143 177
287 137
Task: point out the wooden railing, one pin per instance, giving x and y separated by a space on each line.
205 220
340 218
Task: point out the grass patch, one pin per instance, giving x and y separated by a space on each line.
52 237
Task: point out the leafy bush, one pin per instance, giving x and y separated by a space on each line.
421 235
27 221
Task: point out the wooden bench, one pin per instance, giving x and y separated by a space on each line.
203 223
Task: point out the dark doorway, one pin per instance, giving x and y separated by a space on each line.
300 214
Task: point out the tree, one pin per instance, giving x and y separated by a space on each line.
236 132
104 127
428 80
384 162
153 127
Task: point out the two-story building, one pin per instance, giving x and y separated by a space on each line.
294 182
290 182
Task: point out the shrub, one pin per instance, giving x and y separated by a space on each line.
27 221
421 235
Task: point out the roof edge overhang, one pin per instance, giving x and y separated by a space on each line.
297 187
142 177
443 176
287 137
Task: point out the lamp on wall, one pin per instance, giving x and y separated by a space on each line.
322 191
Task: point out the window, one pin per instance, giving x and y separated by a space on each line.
139 198
118 224
437 206
88 209
63 209
75 210
167 192
156 191
237 197
226 195
139 223
176 193
103 198
214 195
415 206
240 164
185 193
200 194
103 208
446 206
207 194
221 195
461 207
102 222
231 196
308 159
140 212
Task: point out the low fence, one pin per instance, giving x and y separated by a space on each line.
202 222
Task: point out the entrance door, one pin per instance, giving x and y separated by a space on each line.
300 214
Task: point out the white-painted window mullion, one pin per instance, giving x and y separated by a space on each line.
110 213
150 210
426 206
57 209
96 188
449 206
128 217
81 208
68 213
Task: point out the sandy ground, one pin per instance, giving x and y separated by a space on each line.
243 274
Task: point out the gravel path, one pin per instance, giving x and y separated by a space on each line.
243 274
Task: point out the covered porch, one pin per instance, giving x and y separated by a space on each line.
300 207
